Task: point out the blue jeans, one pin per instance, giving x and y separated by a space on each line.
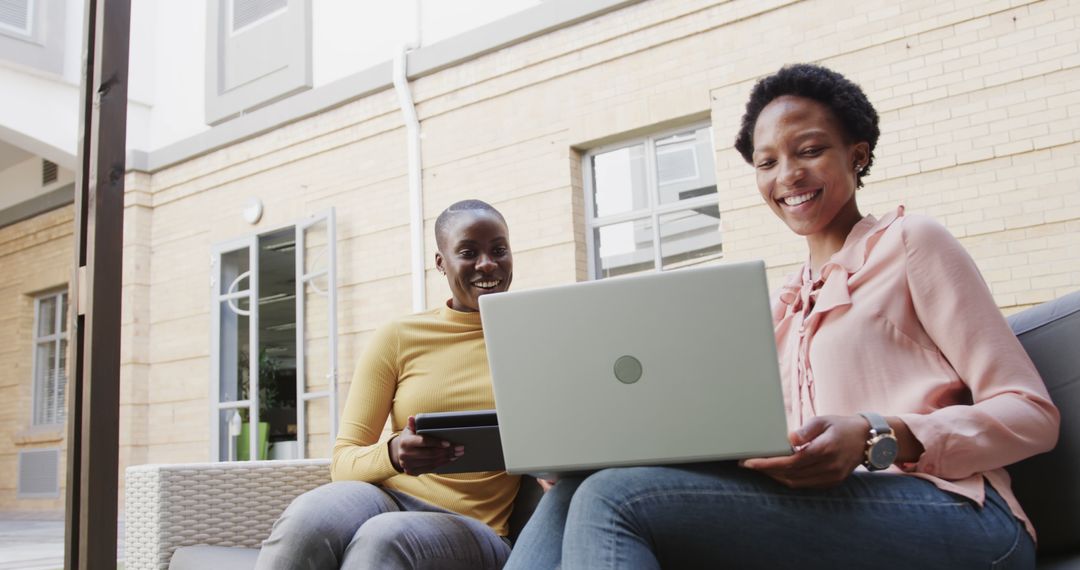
354 525
724 516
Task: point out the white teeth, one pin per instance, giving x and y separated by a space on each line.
796 200
486 284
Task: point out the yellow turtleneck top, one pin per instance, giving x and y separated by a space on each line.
434 361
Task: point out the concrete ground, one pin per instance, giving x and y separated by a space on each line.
35 541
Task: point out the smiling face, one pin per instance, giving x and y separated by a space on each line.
806 168
474 254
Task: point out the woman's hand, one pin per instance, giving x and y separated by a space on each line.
416 454
545 484
827 450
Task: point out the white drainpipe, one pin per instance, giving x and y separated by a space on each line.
416 193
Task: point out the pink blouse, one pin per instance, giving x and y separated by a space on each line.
902 323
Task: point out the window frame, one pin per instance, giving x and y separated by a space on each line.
28 31
292 72
654 210
59 336
41 44
303 278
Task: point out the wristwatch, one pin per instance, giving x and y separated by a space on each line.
882 447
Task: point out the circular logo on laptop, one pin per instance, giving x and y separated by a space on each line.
627 369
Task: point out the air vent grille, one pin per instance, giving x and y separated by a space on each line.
39 473
15 14
49 171
248 12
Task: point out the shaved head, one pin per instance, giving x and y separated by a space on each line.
457 209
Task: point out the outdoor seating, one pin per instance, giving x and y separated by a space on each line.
214 515
231 505
1047 485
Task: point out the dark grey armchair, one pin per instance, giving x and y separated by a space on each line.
1048 485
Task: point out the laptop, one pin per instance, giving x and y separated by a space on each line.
670 367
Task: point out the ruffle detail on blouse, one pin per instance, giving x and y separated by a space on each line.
842 265
801 291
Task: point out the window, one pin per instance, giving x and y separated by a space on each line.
50 358
257 52
17 16
33 34
274 347
651 203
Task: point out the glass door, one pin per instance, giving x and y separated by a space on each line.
234 388
274 343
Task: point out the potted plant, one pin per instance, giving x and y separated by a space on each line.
269 368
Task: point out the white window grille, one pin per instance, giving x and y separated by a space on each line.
651 203
50 358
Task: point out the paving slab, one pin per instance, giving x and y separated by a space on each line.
35 541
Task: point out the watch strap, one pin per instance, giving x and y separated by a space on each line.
877 423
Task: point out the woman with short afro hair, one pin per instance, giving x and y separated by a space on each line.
844 98
906 392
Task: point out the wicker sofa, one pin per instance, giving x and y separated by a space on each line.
230 507
218 504
196 516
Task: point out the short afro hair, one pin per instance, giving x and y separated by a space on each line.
843 97
458 208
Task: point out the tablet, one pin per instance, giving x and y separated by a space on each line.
477 430
471 418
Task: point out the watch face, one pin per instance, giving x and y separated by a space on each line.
883 452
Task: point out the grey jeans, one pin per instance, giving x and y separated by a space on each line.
354 525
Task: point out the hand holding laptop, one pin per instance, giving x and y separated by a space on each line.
827 450
417 454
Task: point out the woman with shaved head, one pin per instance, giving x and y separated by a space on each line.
386 508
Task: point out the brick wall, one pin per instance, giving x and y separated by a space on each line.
980 125
979 112
979 119
35 258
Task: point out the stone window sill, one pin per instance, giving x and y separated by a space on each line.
42 434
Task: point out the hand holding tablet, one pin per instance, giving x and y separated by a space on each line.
476 430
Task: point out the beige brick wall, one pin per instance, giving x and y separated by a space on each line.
35 257
979 118
980 121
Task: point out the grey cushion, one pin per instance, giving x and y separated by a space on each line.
207 557
1059 562
1048 485
210 557
529 495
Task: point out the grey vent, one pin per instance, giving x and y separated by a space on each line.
39 473
49 170
247 12
15 14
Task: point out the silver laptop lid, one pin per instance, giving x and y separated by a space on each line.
669 367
